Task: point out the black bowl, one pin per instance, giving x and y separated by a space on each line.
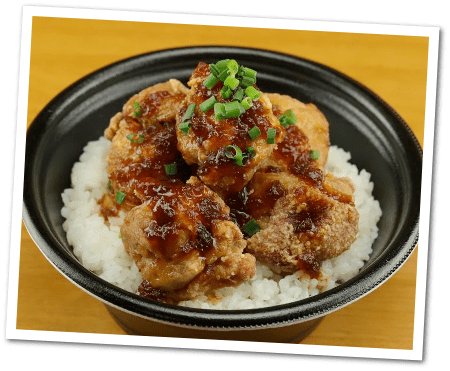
360 122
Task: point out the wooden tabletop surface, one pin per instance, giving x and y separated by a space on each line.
64 50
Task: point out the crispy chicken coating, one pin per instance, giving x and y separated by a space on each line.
300 225
144 142
310 120
183 242
204 144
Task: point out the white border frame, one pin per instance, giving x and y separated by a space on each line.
431 32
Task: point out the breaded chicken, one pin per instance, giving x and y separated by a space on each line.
183 242
204 145
155 104
300 225
143 142
310 120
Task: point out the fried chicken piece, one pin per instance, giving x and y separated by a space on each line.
183 241
143 142
300 225
204 145
310 120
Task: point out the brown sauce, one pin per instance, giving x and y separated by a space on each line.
309 263
219 134
310 219
183 217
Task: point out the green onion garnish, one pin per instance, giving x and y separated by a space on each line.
171 169
248 72
247 81
120 196
185 126
219 111
251 152
247 103
232 82
235 153
137 109
287 118
210 81
252 93
226 92
314 154
208 104
271 134
224 74
232 109
238 95
214 70
109 185
254 132
222 65
189 112
135 138
251 227
120 235
233 67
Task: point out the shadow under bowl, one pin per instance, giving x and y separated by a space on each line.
360 122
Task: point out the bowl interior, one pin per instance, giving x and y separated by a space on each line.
360 122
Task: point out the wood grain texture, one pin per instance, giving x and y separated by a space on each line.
64 50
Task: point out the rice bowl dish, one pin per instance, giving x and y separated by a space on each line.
99 246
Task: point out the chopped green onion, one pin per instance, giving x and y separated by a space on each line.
254 132
283 121
208 104
222 65
120 235
232 82
233 67
251 227
226 92
314 154
137 109
247 81
224 74
247 103
109 185
287 118
120 196
248 72
189 112
252 93
219 111
210 81
185 126
251 152
214 70
271 134
235 153
241 108
135 138
232 109
238 95
171 169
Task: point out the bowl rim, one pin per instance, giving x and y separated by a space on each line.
299 311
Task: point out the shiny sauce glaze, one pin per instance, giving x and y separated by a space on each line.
221 133
183 217
147 159
294 153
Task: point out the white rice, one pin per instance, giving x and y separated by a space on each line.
100 249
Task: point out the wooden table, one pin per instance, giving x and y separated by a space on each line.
64 50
